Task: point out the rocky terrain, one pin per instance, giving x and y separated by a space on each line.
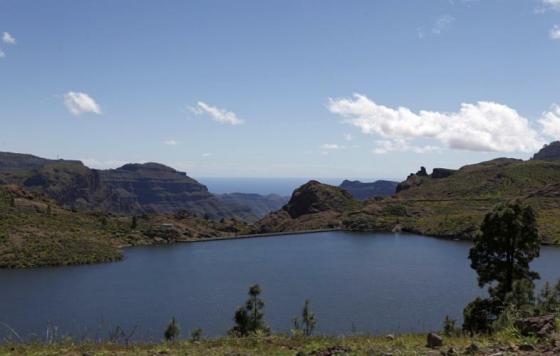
128 190
61 212
364 191
445 203
36 231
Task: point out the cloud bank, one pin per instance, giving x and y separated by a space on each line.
79 103
220 115
483 126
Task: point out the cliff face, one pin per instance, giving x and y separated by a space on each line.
550 152
130 189
364 191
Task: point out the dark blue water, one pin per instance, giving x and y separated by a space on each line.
368 283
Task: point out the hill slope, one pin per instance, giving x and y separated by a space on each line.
364 191
130 189
445 203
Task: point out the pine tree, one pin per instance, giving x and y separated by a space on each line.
250 319
308 319
172 331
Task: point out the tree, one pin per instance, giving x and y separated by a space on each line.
507 242
308 319
172 331
196 335
449 327
134 222
548 300
307 323
250 319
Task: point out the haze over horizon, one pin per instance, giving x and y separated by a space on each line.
321 89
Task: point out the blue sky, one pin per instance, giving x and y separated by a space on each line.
280 88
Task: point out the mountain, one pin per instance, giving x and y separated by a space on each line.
550 152
446 203
260 204
364 191
130 189
312 206
35 231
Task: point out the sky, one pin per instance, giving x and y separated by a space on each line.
291 88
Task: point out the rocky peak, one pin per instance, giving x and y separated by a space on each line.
550 152
315 197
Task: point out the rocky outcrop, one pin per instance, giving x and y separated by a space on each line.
364 191
439 173
550 152
314 197
540 326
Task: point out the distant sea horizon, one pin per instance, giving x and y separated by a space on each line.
280 186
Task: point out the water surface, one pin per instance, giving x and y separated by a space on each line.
357 282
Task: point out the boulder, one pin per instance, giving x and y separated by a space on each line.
434 340
540 326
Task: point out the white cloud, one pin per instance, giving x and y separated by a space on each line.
220 115
550 122
442 23
555 32
484 126
206 154
78 103
97 164
401 145
171 142
7 38
549 5
332 146
348 137
2 54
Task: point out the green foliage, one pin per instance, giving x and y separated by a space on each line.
12 201
507 242
548 300
196 335
479 315
449 327
172 331
250 319
307 324
521 297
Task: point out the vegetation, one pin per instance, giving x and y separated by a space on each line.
172 331
35 231
279 344
250 318
307 323
507 242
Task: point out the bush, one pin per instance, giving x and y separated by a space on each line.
479 315
172 331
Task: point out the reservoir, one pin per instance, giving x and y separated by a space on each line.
367 283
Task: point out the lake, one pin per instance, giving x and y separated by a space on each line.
357 283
